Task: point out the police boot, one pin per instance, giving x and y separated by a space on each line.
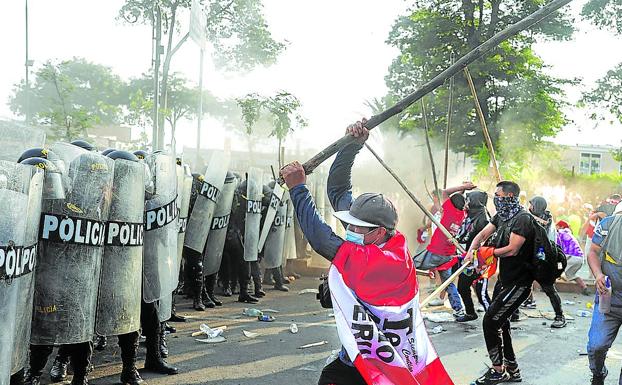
38 359
18 378
129 349
197 302
162 342
209 283
153 360
244 296
226 289
174 316
80 362
283 277
101 343
259 293
267 277
58 371
278 281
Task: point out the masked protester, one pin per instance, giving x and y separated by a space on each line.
509 237
372 279
538 208
477 218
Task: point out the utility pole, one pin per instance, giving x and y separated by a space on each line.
27 65
200 109
156 142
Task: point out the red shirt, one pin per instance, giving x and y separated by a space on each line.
452 220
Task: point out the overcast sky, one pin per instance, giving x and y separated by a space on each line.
335 61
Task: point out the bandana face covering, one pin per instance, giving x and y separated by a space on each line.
507 207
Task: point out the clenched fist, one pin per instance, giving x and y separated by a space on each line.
293 174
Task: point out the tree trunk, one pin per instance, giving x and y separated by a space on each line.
165 72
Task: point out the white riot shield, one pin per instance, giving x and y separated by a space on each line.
289 247
160 271
16 138
212 256
254 195
118 304
184 188
273 249
71 243
203 210
275 202
20 198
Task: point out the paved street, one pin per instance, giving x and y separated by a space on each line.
546 357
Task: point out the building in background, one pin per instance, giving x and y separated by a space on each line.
590 159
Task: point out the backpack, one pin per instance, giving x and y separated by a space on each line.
546 269
323 294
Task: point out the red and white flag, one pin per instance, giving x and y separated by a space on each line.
376 302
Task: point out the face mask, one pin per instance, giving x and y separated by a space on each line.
507 207
353 237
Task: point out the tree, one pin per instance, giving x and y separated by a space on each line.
283 109
607 94
516 96
236 28
70 96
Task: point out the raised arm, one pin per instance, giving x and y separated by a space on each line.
466 186
320 236
339 184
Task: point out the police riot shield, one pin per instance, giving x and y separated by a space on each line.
71 240
218 230
118 303
25 291
289 245
254 195
16 138
273 249
184 190
275 202
20 188
161 229
203 210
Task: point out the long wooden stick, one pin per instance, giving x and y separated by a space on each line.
438 224
448 129
439 79
482 120
437 191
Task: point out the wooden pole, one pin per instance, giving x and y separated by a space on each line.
437 191
448 129
439 79
482 120
438 224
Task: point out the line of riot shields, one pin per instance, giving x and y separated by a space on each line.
85 238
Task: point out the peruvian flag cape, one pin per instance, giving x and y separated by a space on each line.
376 302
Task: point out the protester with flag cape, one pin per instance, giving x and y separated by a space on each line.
372 281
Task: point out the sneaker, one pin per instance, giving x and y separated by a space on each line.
492 377
514 375
467 318
599 380
529 304
436 302
459 313
559 322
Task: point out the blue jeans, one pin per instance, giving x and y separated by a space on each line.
603 332
452 291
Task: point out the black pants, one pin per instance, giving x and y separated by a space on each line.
338 373
79 355
149 320
129 346
556 302
465 283
193 271
496 325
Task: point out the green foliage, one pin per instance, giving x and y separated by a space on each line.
237 29
607 94
283 108
606 14
71 96
516 95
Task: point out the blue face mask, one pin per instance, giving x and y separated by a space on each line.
353 237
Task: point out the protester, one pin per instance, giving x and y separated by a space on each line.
508 237
538 208
605 260
441 252
372 280
477 219
574 254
